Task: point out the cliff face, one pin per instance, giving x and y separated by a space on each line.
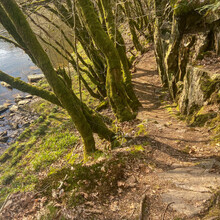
199 65
190 49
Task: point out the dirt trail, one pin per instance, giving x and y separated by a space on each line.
163 126
184 153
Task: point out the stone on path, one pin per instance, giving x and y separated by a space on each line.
186 202
193 187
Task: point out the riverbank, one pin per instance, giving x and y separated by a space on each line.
16 116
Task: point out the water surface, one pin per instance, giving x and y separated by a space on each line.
16 63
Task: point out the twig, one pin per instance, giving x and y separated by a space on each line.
163 218
5 202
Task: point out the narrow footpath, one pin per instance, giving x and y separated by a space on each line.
189 163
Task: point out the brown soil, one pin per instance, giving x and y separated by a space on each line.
167 143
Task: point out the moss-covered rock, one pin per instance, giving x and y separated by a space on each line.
183 7
200 119
201 45
198 87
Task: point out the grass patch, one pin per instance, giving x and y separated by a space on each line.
53 146
45 142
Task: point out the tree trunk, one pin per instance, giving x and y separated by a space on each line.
114 84
158 44
117 38
135 39
66 97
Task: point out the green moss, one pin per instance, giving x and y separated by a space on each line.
136 149
208 85
132 59
16 159
214 125
201 117
53 146
41 130
102 105
40 119
142 130
25 134
51 213
214 210
4 157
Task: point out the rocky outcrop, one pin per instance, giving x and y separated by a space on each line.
198 87
192 58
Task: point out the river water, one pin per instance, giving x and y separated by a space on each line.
14 62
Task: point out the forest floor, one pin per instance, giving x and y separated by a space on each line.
165 169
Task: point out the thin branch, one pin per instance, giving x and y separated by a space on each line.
11 42
25 87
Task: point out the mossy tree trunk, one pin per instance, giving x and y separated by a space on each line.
84 119
118 40
171 58
131 22
116 92
25 87
158 44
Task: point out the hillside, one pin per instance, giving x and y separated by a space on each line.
125 120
